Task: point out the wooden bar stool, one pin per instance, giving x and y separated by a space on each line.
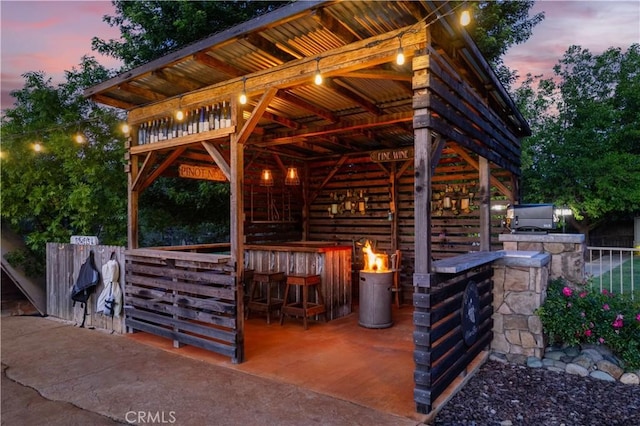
260 298
303 308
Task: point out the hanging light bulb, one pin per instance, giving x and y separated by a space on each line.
465 18
37 147
266 179
318 77
125 128
243 95
292 176
400 55
179 112
79 138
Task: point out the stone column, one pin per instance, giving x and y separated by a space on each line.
519 288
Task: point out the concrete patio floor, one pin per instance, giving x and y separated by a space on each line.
370 367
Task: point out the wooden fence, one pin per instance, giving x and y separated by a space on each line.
63 265
190 298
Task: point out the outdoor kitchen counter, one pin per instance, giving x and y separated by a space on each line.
332 262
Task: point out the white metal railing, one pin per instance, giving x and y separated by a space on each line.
615 269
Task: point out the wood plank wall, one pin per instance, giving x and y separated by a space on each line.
63 266
452 234
441 353
189 298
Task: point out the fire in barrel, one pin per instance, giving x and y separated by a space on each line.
376 280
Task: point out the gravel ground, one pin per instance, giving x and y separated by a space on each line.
507 394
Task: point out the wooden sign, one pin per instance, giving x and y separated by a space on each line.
84 240
199 172
398 154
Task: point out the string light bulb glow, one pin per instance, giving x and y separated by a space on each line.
318 77
243 95
37 147
179 115
400 55
79 138
125 128
465 18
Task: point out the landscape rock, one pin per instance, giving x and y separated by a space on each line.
630 379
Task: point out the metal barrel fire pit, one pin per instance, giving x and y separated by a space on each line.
375 299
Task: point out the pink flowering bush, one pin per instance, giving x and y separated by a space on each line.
573 317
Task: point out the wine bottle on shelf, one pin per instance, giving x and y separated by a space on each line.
152 135
210 117
170 128
203 120
147 135
189 120
140 133
227 114
217 116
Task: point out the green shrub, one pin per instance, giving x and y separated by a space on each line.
573 314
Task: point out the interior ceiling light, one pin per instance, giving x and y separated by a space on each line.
292 176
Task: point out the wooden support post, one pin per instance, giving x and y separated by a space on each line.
237 234
423 141
485 204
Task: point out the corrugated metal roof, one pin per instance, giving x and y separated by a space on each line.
298 32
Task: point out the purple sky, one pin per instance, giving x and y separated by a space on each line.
52 36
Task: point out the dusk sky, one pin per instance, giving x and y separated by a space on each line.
52 36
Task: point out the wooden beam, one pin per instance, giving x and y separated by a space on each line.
163 166
256 114
379 74
473 163
299 102
140 91
281 120
144 170
333 171
269 48
350 94
182 82
286 137
101 99
344 33
217 64
218 158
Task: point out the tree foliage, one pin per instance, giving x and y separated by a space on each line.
67 188
499 25
585 148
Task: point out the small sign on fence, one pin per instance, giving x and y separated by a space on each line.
84 240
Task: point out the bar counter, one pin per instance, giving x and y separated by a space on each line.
325 258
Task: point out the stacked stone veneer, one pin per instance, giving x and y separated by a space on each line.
567 252
520 287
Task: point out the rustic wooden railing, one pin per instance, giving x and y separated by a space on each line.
189 298
453 322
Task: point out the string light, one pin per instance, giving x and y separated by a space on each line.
125 128
318 77
243 95
465 18
79 138
400 56
37 147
